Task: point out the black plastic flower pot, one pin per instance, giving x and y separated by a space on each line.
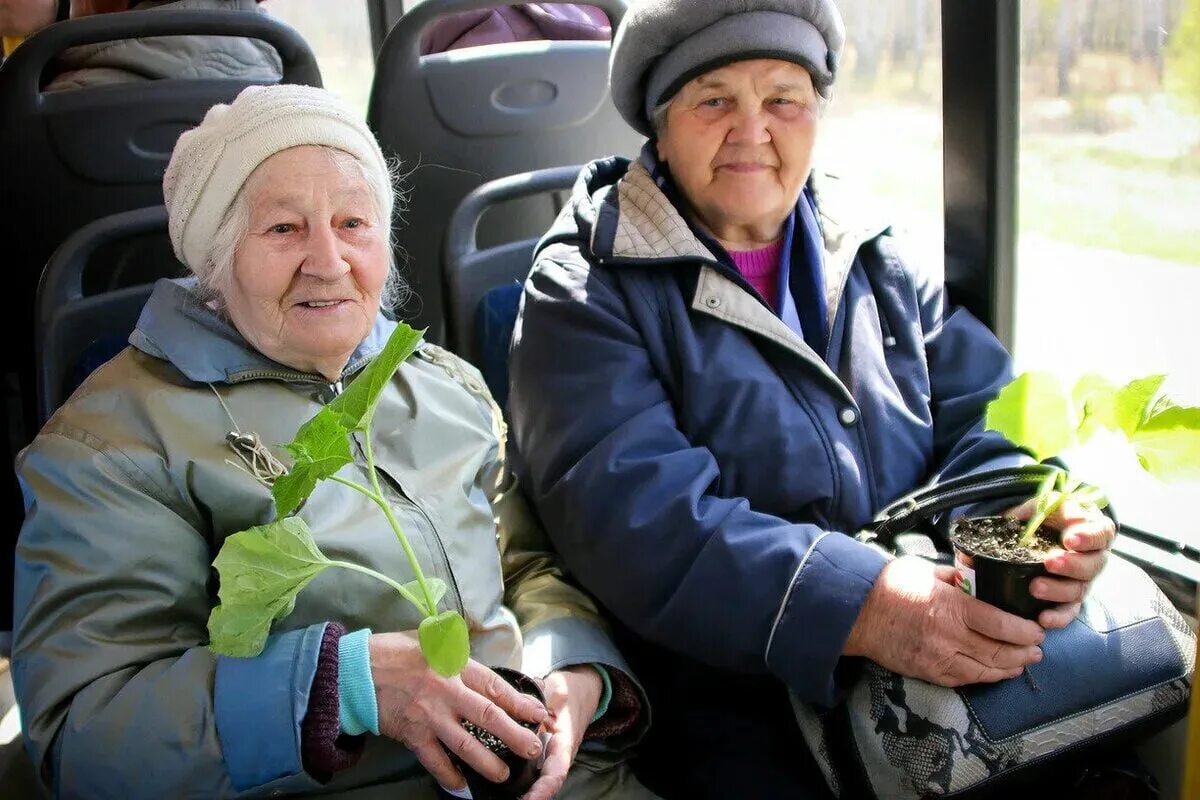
1000 581
522 772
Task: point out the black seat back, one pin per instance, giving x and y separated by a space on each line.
73 327
462 118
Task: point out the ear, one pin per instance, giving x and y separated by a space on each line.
661 150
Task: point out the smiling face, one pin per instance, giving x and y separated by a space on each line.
307 278
739 143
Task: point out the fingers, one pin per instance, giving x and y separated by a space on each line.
1089 536
434 759
1060 616
1058 590
991 653
491 718
964 670
1000 625
554 771
462 743
496 689
1080 566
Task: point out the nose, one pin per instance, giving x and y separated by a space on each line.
324 258
749 128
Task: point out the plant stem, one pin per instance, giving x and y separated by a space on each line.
430 606
409 596
1069 485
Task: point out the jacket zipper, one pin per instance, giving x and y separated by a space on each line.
336 389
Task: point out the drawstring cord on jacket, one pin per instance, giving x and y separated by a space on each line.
260 463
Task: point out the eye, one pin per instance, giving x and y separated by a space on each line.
713 102
354 222
282 227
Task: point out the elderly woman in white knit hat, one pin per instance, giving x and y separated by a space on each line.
720 371
280 204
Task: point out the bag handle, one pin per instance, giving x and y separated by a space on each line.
910 511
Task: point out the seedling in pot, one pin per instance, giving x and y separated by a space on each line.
263 569
999 556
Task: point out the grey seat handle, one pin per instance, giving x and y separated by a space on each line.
464 224
403 44
20 76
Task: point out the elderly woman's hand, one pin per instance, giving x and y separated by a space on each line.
1087 534
424 711
918 623
572 695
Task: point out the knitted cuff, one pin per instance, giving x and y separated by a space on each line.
324 749
624 708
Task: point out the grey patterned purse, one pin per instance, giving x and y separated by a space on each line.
1122 669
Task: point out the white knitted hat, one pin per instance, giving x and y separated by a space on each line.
212 161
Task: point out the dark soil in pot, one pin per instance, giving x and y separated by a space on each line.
522 772
997 570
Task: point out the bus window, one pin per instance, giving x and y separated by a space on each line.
341 41
1108 253
882 134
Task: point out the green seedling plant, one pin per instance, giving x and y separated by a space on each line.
1037 415
263 569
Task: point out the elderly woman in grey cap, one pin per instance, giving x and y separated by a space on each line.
281 204
720 373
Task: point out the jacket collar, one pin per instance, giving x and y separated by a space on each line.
177 327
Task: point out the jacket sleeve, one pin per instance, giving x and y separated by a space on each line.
968 366
119 696
630 502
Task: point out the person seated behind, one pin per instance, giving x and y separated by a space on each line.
516 23
720 373
277 202
152 58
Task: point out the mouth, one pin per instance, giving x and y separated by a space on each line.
744 167
320 304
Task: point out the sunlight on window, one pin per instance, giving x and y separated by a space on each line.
1109 247
882 134
340 35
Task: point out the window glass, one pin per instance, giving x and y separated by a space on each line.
340 36
882 133
1108 275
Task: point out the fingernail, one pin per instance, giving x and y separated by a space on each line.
1037 656
503 775
534 750
1075 541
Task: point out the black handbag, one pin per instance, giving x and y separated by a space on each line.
1123 668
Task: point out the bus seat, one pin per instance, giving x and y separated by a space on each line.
464 117
483 286
77 331
71 157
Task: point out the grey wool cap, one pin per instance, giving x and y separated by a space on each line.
663 44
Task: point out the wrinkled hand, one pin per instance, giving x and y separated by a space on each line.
1087 534
572 696
916 622
424 711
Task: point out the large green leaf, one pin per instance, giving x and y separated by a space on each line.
1168 444
320 449
356 405
1132 403
1033 412
445 643
262 570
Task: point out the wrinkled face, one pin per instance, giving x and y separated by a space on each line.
739 142
308 277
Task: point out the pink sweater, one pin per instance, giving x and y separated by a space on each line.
761 268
